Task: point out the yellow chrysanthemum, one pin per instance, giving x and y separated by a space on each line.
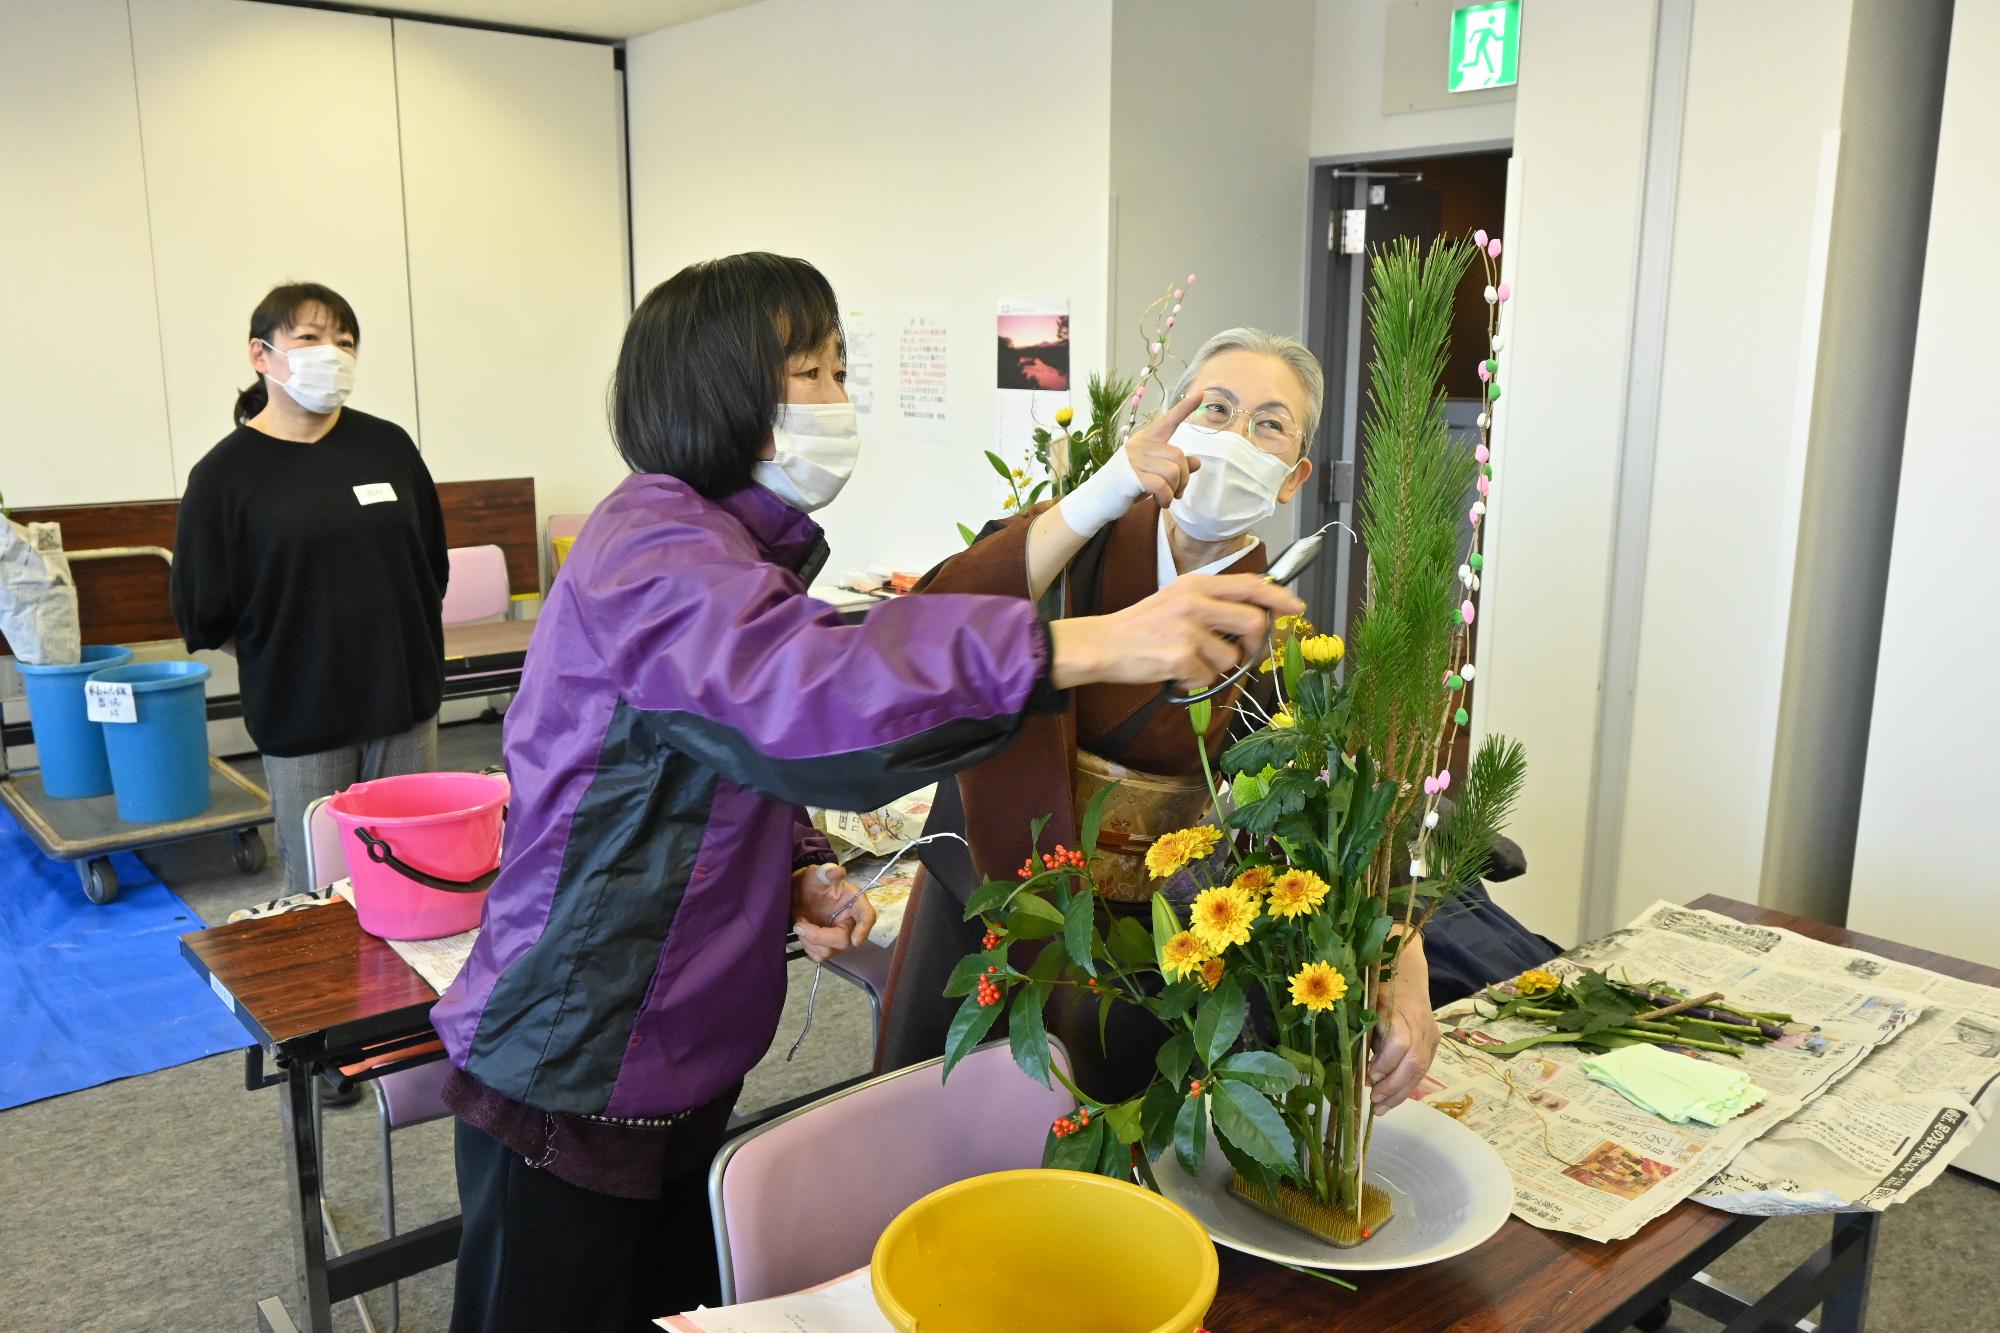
1318 987
1222 917
1283 720
1211 974
1256 880
1297 892
1182 955
1064 416
1174 850
1322 649
1535 981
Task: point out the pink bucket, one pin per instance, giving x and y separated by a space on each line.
421 850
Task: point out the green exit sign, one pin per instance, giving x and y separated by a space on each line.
1485 46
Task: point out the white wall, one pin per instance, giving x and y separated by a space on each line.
1349 50
1924 870
1207 180
513 188
915 152
247 188
80 343
1572 239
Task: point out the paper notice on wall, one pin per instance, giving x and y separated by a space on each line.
858 322
1031 381
923 354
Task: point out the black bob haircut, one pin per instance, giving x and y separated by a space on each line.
280 312
702 370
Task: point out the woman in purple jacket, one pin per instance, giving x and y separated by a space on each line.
682 699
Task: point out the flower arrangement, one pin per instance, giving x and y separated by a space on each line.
1332 841
1063 459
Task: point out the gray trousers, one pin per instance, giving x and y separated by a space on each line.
300 780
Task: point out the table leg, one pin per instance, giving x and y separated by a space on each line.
302 1173
1847 1304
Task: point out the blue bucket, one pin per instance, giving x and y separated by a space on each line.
68 744
159 764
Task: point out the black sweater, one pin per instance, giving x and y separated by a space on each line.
326 563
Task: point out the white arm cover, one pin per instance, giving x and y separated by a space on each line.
1104 497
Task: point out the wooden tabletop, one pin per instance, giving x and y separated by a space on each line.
465 644
312 976
1526 1280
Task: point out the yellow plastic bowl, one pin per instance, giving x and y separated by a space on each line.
1052 1251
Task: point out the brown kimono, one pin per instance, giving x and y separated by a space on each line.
995 803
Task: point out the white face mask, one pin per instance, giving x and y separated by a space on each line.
1236 488
322 376
817 444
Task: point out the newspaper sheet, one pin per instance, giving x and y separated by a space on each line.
876 832
1585 1160
1891 1126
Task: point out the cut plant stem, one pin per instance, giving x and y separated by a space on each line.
1748 1030
1314 1272
1662 1039
1680 1007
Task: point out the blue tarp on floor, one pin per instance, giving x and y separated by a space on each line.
89 994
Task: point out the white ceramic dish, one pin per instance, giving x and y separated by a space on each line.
1449 1188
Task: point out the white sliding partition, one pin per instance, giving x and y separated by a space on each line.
271 155
514 193
79 342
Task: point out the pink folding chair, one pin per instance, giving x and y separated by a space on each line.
478 589
404 1097
792 1212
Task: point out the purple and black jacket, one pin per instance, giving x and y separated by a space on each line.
682 698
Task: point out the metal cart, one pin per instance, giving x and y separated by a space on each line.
87 830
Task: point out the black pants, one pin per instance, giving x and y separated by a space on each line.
539 1253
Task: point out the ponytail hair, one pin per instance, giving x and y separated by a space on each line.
280 312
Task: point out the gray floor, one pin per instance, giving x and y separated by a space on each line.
156 1203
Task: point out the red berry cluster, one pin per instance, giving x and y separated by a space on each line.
1070 1124
1194 1087
989 989
991 940
1062 859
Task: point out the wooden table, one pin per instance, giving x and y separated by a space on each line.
320 994
1526 1280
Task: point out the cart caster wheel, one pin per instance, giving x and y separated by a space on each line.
247 851
100 881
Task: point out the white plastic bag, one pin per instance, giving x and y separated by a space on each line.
38 596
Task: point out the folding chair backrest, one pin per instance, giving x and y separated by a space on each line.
326 858
804 1198
478 589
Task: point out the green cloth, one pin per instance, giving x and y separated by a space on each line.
1675 1087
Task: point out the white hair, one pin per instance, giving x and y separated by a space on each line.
1301 362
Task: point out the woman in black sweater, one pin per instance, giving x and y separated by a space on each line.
311 546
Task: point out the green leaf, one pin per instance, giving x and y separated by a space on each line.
1124 1119
1219 1020
1078 1151
1104 1003
1165 926
1371 943
1114 1159
1157 1110
1191 1134
1264 749
1265 1071
1176 1000
1048 964
1295 666
965 977
1129 944
1173 1060
1000 466
1093 819
969 1027
1033 917
967 534
1260 1176
1079 928
1035 831
1311 1068
1026 1034
1246 1118
1522 1044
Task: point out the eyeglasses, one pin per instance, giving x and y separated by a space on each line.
1271 428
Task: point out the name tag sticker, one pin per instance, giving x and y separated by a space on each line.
222 992
375 493
109 701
